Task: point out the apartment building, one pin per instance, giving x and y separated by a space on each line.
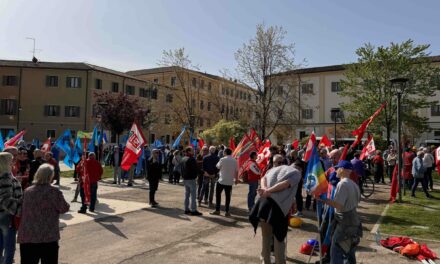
319 105
45 98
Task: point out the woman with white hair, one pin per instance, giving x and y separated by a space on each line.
10 206
39 230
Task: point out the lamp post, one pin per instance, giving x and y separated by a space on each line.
335 112
401 82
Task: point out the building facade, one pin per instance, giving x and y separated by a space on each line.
319 106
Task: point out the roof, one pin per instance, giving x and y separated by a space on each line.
64 65
331 68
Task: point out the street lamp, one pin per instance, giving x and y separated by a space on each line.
401 85
335 113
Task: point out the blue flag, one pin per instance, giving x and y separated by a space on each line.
2 143
177 141
36 143
157 144
10 135
63 143
92 143
124 140
140 162
77 151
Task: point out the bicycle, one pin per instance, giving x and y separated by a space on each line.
366 185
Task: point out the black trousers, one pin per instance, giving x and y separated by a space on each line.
93 193
153 185
299 198
32 253
218 196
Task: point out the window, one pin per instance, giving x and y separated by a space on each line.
144 92
50 133
167 139
436 133
8 107
202 104
194 82
52 81
9 80
209 86
223 108
223 90
5 131
200 121
71 111
173 81
208 122
52 110
307 113
435 110
302 134
231 110
156 80
202 84
169 98
307 88
249 97
152 138
167 119
336 113
336 87
227 91
154 93
232 93
115 87
129 90
98 84
193 103
73 82
209 106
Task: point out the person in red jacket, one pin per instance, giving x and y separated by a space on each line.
408 157
253 178
90 172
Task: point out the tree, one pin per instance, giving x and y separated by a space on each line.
184 93
367 85
119 111
258 63
223 131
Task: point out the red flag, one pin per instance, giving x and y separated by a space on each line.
359 133
310 145
325 141
232 143
46 146
263 155
394 185
248 144
344 153
255 139
369 148
201 143
295 144
12 141
133 148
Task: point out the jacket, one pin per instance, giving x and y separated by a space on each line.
154 170
189 168
252 170
10 194
418 170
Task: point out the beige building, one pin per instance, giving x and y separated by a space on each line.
46 98
320 101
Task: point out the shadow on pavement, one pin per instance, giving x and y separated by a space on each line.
108 223
170 212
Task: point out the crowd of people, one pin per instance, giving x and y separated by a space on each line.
31 202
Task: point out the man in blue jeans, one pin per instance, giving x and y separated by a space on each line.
253 174
189 173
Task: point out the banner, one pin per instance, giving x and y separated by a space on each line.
315 182
133 149
86 135
2 144
369 148
264 155
310 146
14 140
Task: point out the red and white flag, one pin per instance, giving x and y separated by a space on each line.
46 146
369 148
133 149
359 133
14 140
263 155
310 144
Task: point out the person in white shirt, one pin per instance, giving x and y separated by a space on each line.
228 175
428 163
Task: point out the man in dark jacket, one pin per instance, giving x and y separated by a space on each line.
210 174
189 173
154 174
35 164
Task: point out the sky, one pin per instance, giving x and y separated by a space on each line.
131 34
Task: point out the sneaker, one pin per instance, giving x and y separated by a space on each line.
215 212
196 213
82 211
92 210
129 184
199 203
187 212
228 214
210 205
114 182
205 202
154 204
298 214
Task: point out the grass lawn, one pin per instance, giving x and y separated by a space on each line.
108 173
415 217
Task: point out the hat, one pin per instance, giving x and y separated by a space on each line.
345 165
